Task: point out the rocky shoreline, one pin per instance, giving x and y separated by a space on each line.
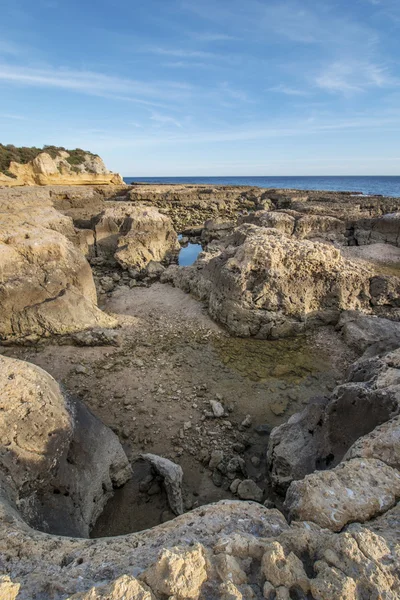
267 374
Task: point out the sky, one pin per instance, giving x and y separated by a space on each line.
206 87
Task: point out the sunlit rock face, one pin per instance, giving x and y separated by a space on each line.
46 170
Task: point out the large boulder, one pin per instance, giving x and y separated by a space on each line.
320 436
300 225
47 286
135 235
356 490
267 284
58 463
383 229
369 334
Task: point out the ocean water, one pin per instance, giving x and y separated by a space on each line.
385 186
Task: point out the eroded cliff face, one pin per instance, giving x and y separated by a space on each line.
45 170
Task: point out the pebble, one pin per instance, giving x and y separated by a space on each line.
217 408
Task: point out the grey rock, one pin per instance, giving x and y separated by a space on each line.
249 490
217 456
217 408
172 476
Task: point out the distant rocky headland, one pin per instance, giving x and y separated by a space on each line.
224 430
52 165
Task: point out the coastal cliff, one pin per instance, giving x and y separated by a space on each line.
53 166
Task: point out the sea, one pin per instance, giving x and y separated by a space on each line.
369 186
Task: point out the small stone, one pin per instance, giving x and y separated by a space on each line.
217 408
116 277
249 490
217 456
187 425
255 461
80 370
234 485
247 421
217 478
107 284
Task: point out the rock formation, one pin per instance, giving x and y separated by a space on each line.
46 284
58 463
320 436
59 169
334 467
264 283
135 235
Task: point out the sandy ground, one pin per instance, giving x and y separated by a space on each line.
154 391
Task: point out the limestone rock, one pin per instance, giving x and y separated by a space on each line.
356 490
136 235
47 285
8 589
123 588
58 463
179 572
320 436
283 570
369 334
172 475
382 443
45 170
267 284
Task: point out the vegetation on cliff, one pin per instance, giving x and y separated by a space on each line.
24 155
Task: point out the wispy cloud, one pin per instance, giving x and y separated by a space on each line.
213 37
97 84
165 120
12 117
289 91
351 77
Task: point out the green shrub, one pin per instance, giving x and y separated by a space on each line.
23 155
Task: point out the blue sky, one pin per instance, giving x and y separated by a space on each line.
206 87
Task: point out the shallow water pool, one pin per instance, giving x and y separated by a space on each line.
188 254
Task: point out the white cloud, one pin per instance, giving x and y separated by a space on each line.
165 119
97 84
351 77
289 91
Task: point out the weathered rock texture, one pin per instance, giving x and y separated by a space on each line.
45 170
135 235
320 436
58 463
46 284
262 282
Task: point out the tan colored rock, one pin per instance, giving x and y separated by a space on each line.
58 463
267 284
382 443
283 570
46 284
135 235
229 569
8 589
356 490
123 588
179 572
44 170
332 583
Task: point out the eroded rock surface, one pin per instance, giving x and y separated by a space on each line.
320 436
135 235
46 284
267 284
58 463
